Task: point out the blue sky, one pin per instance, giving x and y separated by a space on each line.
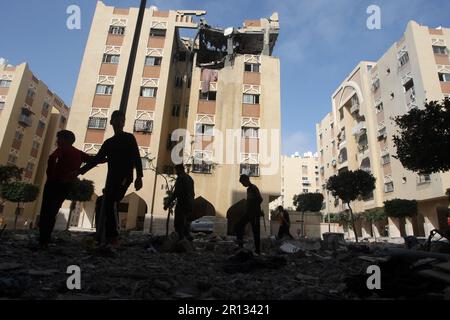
320 42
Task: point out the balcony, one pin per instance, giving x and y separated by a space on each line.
359 129
144 126
25 118
252 170
354 108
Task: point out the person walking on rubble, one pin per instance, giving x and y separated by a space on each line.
252 214
184 195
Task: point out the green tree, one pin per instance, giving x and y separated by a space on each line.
400 208
305 202
80 191
19 192
9 174
375 215
349 186
423 142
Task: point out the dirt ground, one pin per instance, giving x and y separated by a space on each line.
144 267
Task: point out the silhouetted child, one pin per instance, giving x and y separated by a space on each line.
285 223
62 166
122 154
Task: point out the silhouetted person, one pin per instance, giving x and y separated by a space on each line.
285 223
62 166
122 154
252 214
184 194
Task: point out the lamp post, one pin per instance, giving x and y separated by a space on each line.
132 60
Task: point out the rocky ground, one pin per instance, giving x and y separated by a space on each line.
146 267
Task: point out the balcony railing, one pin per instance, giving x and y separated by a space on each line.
252 170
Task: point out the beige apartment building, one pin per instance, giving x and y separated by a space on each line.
299 174
358 131
30 117
221 80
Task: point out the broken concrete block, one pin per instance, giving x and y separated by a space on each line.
289 248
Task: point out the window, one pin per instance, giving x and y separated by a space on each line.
385 159
379 107
252 67
18 135
5 83
30 167
31 93
35 145
250 132
63 120
252 170
145 163
404 58
186 111
382 133
117 30
145 126
176 110
251 98
12 159
389 187
157 32
440 50
341 114
148 92
444 77
104 89
2 105
153 61
425 178
25 117
204 129
97 122
41 124
210 95
201 167
375 84
305 190
46 106
409 85
111 58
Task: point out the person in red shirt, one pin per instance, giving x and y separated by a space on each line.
62 168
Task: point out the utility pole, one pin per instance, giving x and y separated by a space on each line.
132 60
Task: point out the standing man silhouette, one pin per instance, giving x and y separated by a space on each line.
184 194
122 154
252 213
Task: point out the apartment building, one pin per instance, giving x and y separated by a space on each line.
299 174
30 117
357 134
206 86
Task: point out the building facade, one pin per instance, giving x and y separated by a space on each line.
299 174
183 99
358 132
30 117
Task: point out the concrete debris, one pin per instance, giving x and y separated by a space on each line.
147 267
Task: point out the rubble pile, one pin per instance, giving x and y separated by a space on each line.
212 267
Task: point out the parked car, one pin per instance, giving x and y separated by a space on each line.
203 224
